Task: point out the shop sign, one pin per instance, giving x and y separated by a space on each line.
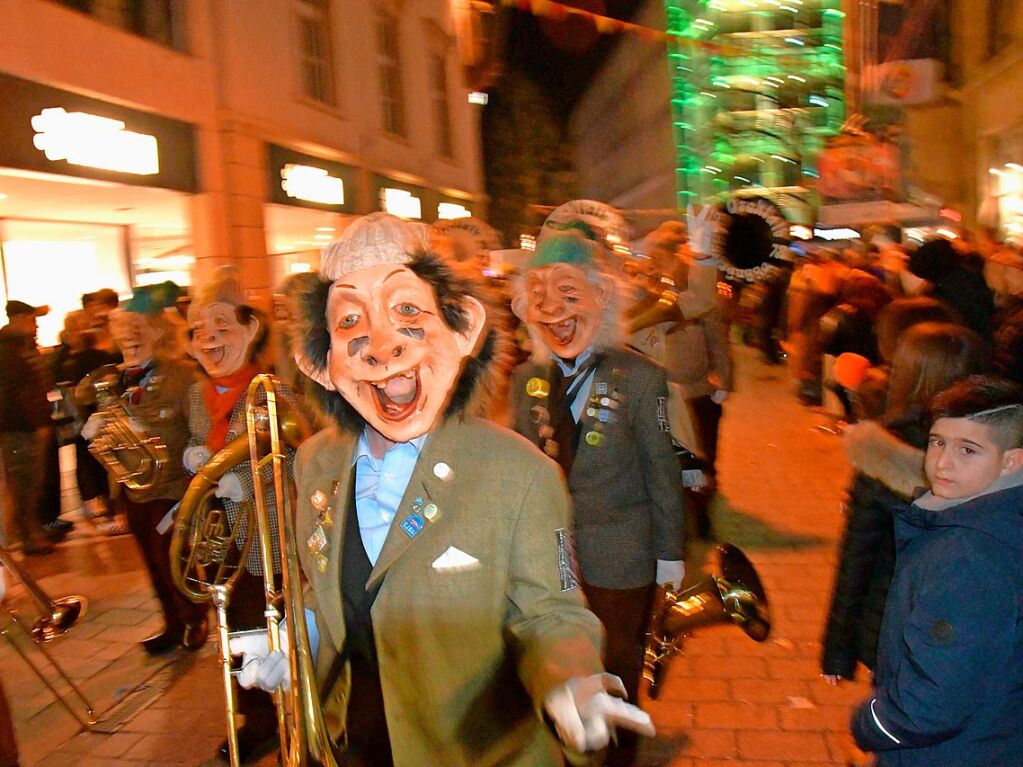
84 139
841 233
304 182
50 130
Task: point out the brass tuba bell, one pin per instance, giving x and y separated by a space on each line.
133 457
736 596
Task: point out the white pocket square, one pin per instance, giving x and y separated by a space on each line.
455 559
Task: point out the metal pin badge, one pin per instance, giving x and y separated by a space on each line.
319 500
430 511
443 471
594 438
537 387
539 414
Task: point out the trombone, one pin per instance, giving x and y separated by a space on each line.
57 616
202 541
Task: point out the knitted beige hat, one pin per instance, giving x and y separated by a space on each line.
223 287
378 238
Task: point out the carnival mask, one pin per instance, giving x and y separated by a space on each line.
218 340
392 355
135 336
565 307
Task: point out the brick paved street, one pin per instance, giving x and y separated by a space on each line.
727 701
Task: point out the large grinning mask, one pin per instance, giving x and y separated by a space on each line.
221 326
564 296
394 353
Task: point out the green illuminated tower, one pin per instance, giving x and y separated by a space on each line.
754 103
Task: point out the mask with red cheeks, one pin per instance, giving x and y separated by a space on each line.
135 336
392 355
565 307
218 340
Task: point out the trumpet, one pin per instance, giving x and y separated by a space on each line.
57 616
131 456
200 546
736 596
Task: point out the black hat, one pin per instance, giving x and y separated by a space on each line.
17 308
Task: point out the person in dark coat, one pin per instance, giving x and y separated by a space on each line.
948 689
25 429
956 284
887 455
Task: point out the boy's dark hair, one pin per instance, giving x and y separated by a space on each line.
996 402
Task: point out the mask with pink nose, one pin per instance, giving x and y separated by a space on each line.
393 348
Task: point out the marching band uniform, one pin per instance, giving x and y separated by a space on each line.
441 580
434 615
216 417
600 411
155 383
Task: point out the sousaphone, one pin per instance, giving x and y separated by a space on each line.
735 596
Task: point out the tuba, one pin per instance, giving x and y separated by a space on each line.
202 549
736 596
132 457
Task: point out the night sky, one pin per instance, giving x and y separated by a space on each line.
562 56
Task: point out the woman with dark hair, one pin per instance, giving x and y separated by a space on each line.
887 455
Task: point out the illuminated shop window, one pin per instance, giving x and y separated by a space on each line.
392 96
316 67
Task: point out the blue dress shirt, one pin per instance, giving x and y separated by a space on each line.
379 487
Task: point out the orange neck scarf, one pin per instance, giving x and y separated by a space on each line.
220 404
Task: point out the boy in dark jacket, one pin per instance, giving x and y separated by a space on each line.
949 683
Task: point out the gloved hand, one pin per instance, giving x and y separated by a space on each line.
194 458
260 667
270 670
670 573
92 427
719 396
585 714
701 229
230 487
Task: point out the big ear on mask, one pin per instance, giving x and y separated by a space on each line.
467 342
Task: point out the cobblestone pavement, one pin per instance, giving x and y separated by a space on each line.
728 700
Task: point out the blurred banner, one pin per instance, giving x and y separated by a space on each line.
903 83
860 168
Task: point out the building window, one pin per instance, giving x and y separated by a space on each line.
441 104
162 21
389 65
1001 22
315 63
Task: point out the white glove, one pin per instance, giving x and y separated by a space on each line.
230 487
269 670
670 573
260 667
719 396
701 229
194 458
585 714
92 427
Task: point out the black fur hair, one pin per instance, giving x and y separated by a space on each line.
451 287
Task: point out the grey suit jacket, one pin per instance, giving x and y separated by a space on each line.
626 490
